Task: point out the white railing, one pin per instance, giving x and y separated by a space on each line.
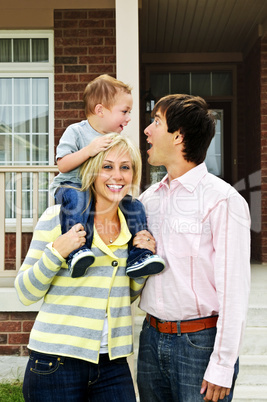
7 276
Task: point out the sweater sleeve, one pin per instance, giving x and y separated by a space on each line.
42 261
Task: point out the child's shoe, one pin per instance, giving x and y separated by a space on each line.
147 265
80 262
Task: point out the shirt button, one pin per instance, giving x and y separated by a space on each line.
114 263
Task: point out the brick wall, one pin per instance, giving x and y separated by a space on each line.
85 47
14 333
10 249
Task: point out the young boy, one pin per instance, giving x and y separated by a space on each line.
108 104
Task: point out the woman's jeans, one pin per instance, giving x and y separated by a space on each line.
75 208
171 367
50 378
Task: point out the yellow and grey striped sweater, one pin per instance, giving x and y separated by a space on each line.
71 318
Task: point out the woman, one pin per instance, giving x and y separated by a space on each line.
83 332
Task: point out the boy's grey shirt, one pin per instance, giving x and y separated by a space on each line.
74 138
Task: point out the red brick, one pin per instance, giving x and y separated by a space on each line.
23 316
4 316
66 78
8 350
75 51
10 326
102 13
18 339
101 32
3 339
92 59
27 326
91 41
101 69
91 23
65 114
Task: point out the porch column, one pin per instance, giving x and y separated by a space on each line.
127 54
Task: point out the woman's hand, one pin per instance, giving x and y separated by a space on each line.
144 239
73 239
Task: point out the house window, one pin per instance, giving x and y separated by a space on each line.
26 112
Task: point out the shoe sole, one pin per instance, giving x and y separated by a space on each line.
152 268
81 266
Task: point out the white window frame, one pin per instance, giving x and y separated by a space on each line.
33 70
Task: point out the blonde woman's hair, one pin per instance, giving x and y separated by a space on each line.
103 90
92 167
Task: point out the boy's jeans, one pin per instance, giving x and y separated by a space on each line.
75 208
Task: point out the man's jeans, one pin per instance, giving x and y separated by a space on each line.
51 378
75 208
171 367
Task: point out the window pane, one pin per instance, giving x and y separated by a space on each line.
22 119
180 83
40 119
22 91
5 51
5 149
40 91
5 91
22 149
200 84
21 50
214 155
40 149
222 84
39 50
5 119
159 85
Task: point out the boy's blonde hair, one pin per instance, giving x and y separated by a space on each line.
91 168
103 90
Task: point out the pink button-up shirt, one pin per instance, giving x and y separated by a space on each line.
202 228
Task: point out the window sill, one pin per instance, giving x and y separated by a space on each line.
9 302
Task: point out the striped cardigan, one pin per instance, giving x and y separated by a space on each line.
71 318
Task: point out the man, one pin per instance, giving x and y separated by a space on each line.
196 308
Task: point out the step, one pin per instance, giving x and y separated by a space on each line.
257 316
248 393
254 342
253 370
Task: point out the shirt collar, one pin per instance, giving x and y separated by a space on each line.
121 240
189 180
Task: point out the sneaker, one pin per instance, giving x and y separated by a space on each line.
80 262
147 265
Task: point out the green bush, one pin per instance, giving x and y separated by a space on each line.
11 392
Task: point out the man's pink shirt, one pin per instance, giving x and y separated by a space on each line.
202 229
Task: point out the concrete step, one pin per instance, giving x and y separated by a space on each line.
248 393
253 371
254 342
257 316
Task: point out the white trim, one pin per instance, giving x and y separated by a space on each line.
127 57
9 302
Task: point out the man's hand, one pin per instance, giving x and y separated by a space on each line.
213 392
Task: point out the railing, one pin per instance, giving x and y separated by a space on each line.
7 276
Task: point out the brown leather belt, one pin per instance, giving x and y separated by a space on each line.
182 327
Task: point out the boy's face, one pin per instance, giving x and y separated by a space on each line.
118 116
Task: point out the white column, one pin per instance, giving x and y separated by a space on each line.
127 54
